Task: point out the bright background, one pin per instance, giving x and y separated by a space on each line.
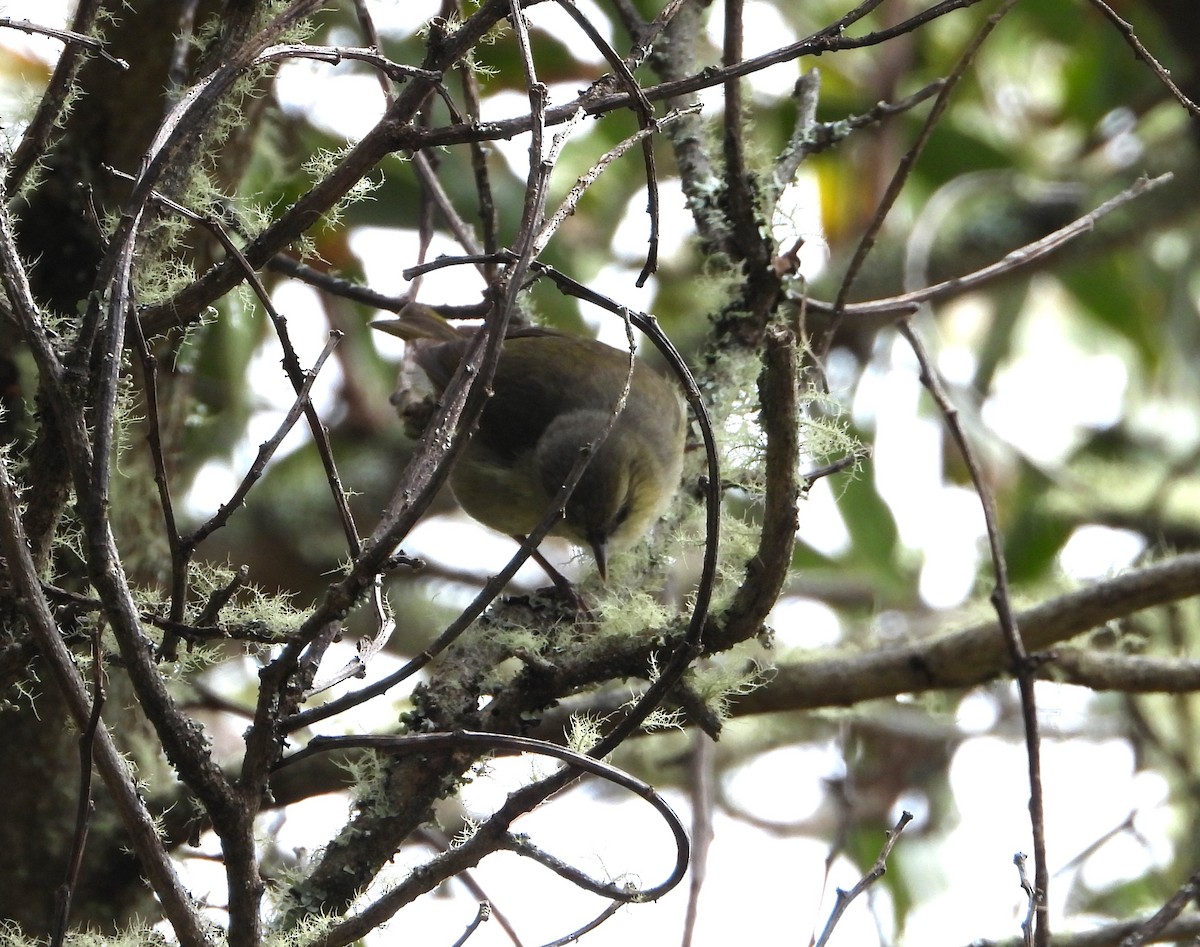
1088 401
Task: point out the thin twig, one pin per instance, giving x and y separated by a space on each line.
459 227
845 462
436 840
180 554
488 217
644 34
221 597
367 22
334 55
1125 825
1031 900
591 925
84 807
1024 670
571 201
1142 53
806 94
420 269
645 117
1014 260
66 36
811 137
900 177
739 200
703 794
53 101
210 632
366 647
184 39
356 292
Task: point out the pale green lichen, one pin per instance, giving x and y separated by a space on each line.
583 732
320 165
12 936
465 833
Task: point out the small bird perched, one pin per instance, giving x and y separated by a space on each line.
552 395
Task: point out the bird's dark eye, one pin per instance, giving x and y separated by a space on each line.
623 513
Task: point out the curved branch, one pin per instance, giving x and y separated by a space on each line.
494 832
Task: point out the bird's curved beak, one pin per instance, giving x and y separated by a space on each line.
600 554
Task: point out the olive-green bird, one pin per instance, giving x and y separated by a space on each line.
553 395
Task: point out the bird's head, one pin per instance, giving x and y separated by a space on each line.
621 492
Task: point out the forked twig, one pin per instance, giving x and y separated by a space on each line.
291 362
266 450
1031 900
571 201
845 898
482 913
